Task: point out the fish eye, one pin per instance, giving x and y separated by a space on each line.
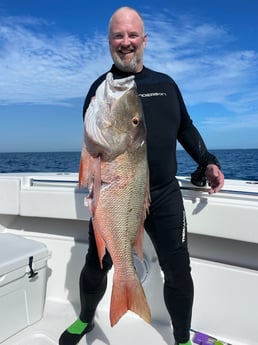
135 121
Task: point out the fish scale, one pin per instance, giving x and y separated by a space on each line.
114 168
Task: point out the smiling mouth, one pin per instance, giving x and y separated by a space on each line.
126 55
125 52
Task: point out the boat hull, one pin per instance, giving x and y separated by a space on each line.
223 243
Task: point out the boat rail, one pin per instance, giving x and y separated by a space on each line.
185 186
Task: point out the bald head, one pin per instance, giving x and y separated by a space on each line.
124 12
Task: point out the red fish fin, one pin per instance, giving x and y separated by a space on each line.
86 176
147 196
138 244
101 245
90 177
96 169
128 295
84 171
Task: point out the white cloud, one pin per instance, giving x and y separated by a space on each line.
38 65
226 123
199 58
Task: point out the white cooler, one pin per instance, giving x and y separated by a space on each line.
23 276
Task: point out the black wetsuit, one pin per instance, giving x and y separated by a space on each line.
167 122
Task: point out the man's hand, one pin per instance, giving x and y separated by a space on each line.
215 178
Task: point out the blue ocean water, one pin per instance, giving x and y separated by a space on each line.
239 164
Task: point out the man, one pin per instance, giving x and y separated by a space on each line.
167 121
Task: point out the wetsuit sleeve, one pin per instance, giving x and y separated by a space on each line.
191 140
193 143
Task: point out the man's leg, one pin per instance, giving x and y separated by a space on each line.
166 226
93 283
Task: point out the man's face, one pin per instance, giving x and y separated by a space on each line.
127 41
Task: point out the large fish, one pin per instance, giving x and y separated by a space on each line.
114 169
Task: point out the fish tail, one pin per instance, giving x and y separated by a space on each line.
128 295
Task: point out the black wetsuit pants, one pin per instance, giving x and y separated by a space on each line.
166 226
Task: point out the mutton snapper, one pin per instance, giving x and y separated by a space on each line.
114 168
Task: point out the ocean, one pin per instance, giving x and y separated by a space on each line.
241 164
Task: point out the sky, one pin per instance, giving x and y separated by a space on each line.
52 50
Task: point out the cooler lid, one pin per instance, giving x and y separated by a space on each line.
15 251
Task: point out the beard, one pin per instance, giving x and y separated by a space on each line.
130 66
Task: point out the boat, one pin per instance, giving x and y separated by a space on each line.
48 209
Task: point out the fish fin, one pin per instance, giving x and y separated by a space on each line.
86 176
84 171
147 196
90 177
100 243
128 295
138 244
96 171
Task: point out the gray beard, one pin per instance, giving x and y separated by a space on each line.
128 67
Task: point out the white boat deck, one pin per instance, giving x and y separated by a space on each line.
223 242
215 317
57 315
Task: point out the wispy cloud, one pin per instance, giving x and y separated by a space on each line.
227 123
39 65
199 57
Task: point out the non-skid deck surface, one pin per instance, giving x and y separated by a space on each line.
130 329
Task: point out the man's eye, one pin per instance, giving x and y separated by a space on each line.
117 37
133 36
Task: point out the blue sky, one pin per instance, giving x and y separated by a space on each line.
52 50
